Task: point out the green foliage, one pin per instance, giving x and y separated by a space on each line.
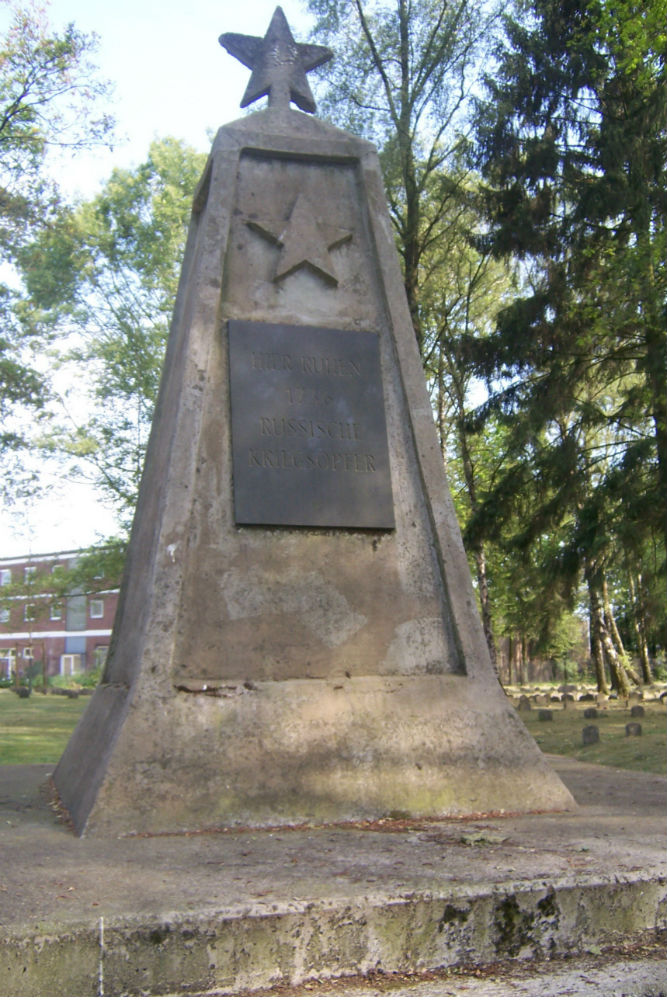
75 682
660 670
573 146
402 78
48 104
102 279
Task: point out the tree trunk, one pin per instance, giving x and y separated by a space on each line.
507 657
596 628
655 340
609 619
516 659
597 656
411 243
524 659
639 626
485 604
479 554
600 633
442 408
612 628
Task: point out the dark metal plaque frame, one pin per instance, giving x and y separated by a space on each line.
309 436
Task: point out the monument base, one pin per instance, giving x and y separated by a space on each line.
314 751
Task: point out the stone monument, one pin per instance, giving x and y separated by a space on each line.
297 638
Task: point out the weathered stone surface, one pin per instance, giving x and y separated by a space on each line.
269 674
589 735
244 910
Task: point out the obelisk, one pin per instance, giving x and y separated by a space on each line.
297 638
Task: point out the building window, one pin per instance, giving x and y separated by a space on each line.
29 613
56 612
27 653
4 616
28 573
97 609
5 577
7 662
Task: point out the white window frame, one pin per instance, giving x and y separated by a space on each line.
96 608
9 656
5 577
70 663
29 613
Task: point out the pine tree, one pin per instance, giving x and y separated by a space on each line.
573 146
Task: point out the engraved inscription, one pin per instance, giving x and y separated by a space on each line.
309 438
306 365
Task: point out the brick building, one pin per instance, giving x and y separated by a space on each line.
61 635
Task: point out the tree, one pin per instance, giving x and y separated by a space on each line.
48 99
573 148
461 292
573 144
402 78
102 280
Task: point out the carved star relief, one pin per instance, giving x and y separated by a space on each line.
303 241
278 63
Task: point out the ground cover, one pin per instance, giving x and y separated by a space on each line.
35 730
563 735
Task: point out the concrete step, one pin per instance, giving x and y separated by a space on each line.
236 911
639 968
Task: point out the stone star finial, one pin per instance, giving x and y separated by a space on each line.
278 63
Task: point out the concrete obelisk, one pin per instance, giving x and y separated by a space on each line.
297 637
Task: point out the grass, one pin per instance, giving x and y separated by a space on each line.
563 735
35 730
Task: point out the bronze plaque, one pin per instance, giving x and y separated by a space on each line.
309 437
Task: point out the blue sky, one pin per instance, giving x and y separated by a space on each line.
171 77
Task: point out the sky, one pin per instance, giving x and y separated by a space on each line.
171 77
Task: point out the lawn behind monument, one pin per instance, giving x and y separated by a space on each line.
35 730
563 735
